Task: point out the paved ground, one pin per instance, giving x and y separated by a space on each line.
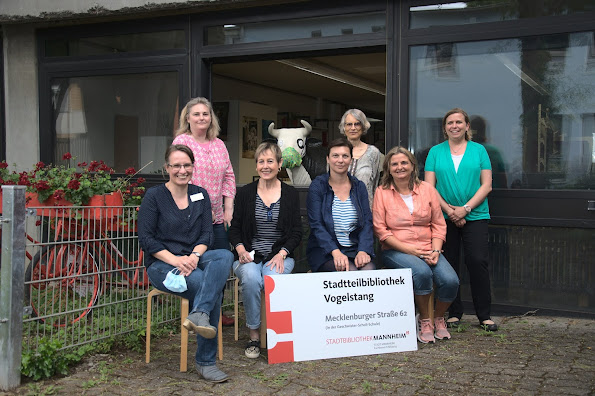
531 355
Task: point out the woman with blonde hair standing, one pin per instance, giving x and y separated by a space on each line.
199 128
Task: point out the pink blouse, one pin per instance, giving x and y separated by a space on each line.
212 171
392 217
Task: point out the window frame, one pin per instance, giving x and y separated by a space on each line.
49 68
531 207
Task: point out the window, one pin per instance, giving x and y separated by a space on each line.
482 11
531 103
328 26
114 44
125 120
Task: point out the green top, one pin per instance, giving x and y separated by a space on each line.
457 188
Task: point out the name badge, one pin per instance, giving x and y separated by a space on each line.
197 197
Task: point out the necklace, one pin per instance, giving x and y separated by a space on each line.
457 150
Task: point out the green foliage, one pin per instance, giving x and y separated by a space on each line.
135 340
36 389
366 387
45 361
47 358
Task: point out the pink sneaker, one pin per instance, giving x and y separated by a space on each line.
425 331
440 326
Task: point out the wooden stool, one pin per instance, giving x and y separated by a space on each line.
263 316
183 334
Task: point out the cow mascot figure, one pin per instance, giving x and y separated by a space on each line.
303 158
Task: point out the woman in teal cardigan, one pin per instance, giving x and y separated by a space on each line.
461 172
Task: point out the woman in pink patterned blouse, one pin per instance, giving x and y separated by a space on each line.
199 128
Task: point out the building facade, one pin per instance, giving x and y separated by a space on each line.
105 80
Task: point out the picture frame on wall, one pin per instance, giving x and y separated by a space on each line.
249 136
282 120
221 110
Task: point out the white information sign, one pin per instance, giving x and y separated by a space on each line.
337 314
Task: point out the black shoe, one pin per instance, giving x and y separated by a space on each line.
488 326
453 323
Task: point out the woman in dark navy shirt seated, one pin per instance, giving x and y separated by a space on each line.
175 231
341 231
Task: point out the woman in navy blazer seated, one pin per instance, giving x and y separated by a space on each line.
341 230
175 231
266 220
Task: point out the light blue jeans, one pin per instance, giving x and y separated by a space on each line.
205 284
425 276
251 276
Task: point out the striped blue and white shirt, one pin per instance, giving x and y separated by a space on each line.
266 226
345 219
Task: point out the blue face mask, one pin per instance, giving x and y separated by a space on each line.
175 282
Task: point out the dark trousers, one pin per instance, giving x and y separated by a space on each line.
474 236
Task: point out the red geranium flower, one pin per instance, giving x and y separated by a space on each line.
58 195
24 179
39 165
42 185
74 184
130 171
141 180
93 166
38 223
3 165
67 156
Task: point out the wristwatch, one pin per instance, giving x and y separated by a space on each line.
467 208
197 254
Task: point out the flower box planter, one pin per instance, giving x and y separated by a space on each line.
99 206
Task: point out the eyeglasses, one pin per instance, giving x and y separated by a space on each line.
177 167
353 124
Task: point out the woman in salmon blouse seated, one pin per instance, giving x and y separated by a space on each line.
409 223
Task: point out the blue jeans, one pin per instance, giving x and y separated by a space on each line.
252 277
204 293
424 276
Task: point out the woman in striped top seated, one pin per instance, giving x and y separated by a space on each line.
266 228
341 231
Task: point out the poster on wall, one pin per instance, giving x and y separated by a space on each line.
249 136
221 110
342 314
